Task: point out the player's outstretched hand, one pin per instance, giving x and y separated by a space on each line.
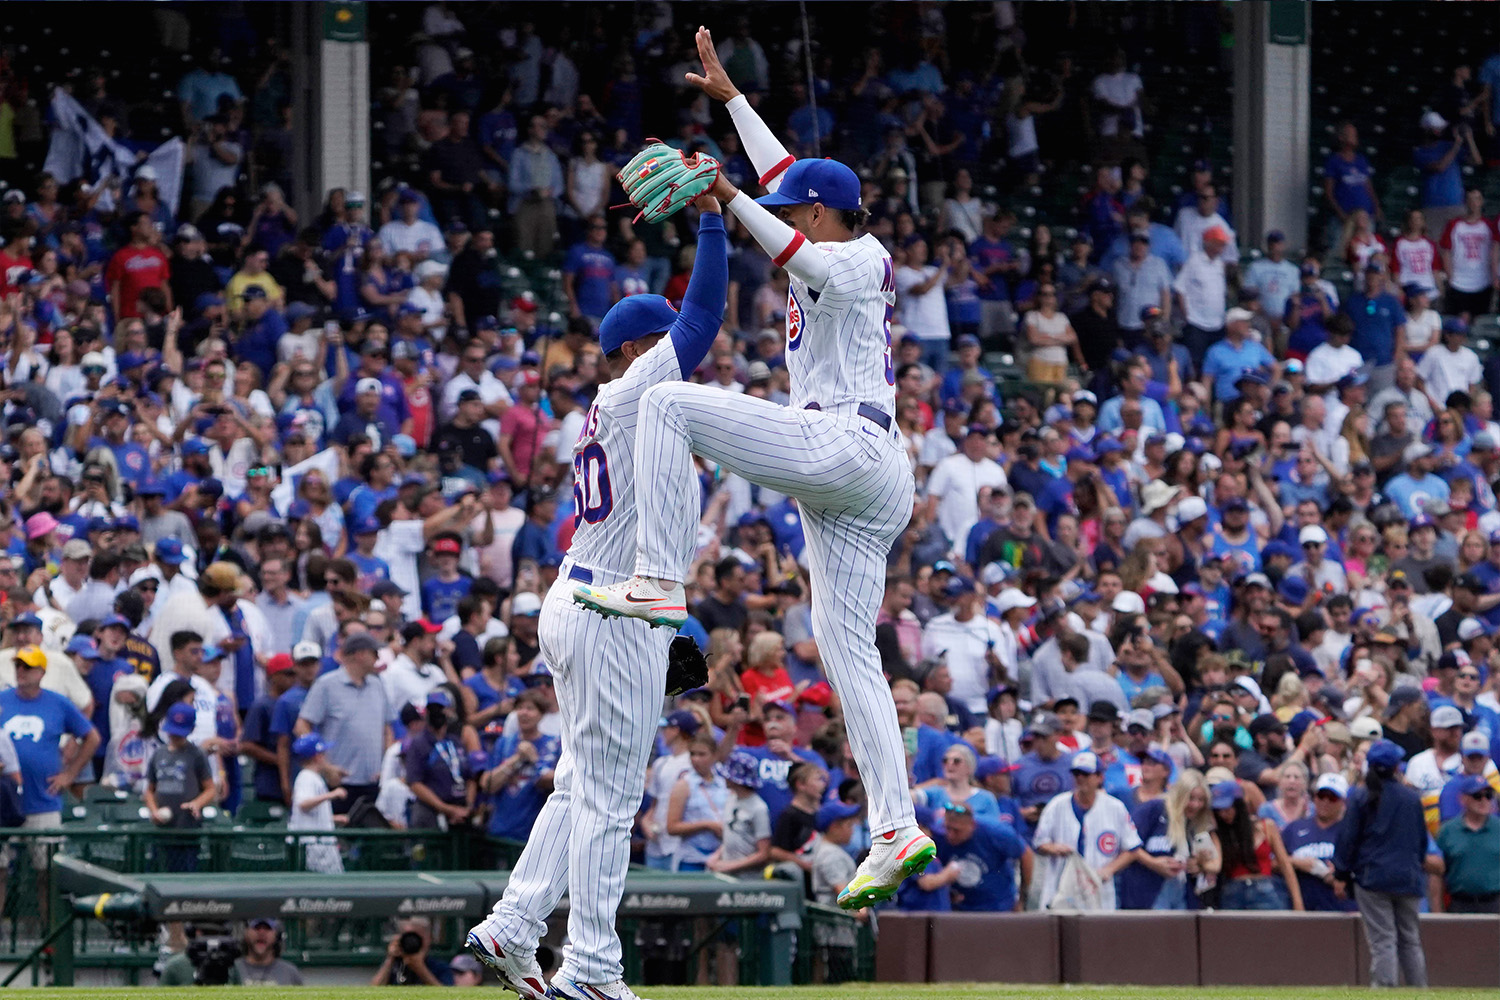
706 202
715 81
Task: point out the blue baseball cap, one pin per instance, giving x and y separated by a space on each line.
115 621
25 621
684 720
151 488
1384 753
831 812
180 720
368 525
196 446
82 645
810 181
128 522
990 764
1471 784
308 746
1226 794
634 317
169 551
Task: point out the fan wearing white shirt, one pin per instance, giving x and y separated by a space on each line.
410 234
1193 222
953 488
1451 366
1423 324
1334 358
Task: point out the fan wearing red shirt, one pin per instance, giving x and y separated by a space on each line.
1469 258
137 266
765 680
1415 258
15 259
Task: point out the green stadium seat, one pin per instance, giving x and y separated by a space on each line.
257 813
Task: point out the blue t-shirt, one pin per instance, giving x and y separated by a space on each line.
257 345
1443 188
1138 886
1036 781
284 713
1350 181
982 803
1304 838
593 271
773 771
130 458
1224 363
987 878
35 727
927 762
517 804
101 681
1375 323
440 599
912 898
371 571
258 731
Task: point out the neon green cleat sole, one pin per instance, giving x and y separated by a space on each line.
858 899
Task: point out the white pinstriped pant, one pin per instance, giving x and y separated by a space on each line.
609 676
854 485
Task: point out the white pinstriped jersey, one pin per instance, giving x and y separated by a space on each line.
604 464
838 341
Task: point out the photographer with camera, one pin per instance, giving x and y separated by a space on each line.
407 962
260 960
207 960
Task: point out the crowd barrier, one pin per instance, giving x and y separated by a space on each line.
1170 949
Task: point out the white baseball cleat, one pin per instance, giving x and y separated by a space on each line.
567 989
518 972
637 597
892 858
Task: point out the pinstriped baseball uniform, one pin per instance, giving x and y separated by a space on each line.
847 470
609 673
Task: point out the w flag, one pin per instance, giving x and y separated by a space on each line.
81 148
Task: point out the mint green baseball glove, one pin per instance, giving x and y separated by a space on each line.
660 180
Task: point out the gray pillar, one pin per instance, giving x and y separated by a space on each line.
330 101
1272 120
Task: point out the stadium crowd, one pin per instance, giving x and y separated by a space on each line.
281 494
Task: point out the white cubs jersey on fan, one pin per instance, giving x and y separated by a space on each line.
838 342
1107 830
604 464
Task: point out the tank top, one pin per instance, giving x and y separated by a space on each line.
1262 861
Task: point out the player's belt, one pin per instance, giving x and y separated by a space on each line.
581 573
874 414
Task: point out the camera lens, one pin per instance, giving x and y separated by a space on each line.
410 943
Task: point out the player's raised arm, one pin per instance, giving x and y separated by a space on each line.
766 153
703 304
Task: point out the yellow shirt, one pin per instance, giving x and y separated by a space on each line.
235 292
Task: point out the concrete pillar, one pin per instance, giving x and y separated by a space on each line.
1272 119
331 101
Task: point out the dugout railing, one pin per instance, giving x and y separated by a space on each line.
677 928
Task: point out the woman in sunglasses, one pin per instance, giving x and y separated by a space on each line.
957 787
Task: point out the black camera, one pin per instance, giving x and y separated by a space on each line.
743 701
410 943
212 958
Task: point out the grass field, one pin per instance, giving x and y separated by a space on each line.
870 991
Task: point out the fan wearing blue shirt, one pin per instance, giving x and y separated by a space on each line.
1347 174
985 855
521 770
35 721
1379 319
442 591
1310 842
1227 360
589 273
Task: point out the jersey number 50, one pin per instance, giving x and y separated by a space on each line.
592 497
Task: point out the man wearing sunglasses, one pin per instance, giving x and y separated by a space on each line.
1470 844
1310 842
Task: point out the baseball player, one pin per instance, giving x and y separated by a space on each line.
609 675
836 449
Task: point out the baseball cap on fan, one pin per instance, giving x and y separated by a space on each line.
811 181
